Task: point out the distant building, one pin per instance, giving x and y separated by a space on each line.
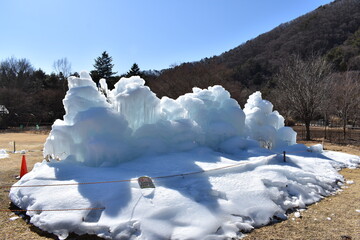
3 117
3 110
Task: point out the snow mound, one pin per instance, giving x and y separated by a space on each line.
216 167
3 154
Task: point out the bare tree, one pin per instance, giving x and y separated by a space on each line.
301 85
327 106
62 67
346 92
15 73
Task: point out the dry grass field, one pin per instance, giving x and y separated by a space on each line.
314 223
10 168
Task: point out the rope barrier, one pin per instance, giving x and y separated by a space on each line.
291 152
50 210
66 184
299 151
126 180
117 181
132 180
201 171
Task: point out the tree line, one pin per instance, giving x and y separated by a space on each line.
103 68
303 89
30 95
33 97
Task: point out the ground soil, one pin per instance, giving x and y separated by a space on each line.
314 222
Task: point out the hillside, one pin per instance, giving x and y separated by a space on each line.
332 30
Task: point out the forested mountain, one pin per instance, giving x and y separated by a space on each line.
332 31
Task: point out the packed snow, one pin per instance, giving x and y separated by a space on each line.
218 170
3 153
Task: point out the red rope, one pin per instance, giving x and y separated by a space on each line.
65 184
127 180
50 210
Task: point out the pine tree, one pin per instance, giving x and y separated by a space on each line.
103 67
134 71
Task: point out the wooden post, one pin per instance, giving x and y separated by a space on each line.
14 147
284 156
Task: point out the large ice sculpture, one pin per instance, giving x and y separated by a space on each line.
103 127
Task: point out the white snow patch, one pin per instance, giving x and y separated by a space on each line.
3 153
13 218
317 148
21 151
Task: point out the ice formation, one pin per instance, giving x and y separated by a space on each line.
215 179
103 127
265 125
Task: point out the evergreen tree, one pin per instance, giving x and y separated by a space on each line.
134 71
103 67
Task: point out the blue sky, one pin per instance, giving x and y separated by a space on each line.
153 33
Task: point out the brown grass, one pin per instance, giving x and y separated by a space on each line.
313 224
10 168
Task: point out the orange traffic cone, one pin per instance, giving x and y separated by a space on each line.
23 169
